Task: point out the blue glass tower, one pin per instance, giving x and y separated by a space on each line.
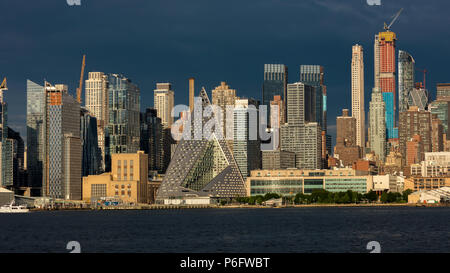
313 75
391 131
275 83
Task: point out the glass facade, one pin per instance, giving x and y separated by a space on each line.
344 184
5 158
275 82
306 184
313 75
152 140
124 115
285 187
92 154
36 134
388 98
406 70
441 109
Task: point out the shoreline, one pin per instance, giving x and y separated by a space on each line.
181 207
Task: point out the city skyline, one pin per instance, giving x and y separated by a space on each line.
241 68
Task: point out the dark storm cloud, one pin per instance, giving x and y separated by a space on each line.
171 40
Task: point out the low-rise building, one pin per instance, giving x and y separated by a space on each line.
431 196
293 181
426 183
6 196
385 183
127 181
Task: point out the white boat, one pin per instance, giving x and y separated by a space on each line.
13 209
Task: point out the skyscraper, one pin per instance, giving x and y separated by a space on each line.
3 138
300 104
124 115
96 101
5 160
246 146
415 122
385 73
300 134
164 103
406 70
13 160
358 111
63 144
36 136
223 96
275 84
313 75
377 125
152 139
92 153
346 149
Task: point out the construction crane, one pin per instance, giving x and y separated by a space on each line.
3 87
80 86
388 27
424 71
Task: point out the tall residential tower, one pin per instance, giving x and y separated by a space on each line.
358 94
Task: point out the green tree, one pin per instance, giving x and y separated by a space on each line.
371 196
405 194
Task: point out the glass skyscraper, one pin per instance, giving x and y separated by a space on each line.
275 84
36 135
406 72
152 139
313 75
391 131
3 146
246 146
63 145
124 115
92 154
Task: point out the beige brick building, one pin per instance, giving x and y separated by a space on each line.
128 180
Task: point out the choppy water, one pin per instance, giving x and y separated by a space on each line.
397 229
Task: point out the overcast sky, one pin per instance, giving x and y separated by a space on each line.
153 41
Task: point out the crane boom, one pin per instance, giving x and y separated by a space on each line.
388 27
80 86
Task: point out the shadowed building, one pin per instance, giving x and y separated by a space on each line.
346 149
437 134
124 115
36 136
406 70
275 160
415 122
275 84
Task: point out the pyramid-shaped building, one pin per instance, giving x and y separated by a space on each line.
202 167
